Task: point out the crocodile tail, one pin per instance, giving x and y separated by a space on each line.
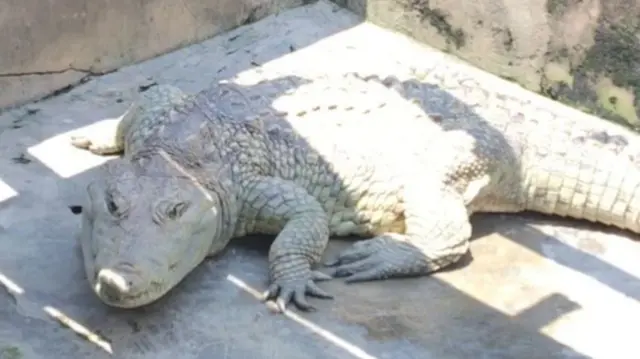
594 177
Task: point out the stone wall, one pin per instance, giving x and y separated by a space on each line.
47 46
585 53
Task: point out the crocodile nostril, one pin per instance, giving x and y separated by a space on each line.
111 285
125 267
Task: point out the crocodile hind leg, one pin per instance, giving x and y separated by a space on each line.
437 235
436 216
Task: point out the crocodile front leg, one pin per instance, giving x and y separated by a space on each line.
437 235
107 136
148 114
273 203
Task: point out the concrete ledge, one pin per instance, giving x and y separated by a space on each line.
584 53
48 46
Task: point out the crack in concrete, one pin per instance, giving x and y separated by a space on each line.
55 72
88 74
11 296
16 296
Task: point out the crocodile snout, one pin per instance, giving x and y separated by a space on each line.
114 285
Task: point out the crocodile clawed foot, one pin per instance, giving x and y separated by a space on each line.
295 290
373 259
99 139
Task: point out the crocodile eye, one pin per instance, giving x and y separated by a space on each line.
75 209
177 210
112 207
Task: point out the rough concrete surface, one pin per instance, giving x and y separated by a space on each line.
49 45
533 288
585 53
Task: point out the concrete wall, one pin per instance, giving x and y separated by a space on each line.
46 46
585 53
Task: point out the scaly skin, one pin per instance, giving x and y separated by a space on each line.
198 171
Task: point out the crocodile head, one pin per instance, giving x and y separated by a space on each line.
144 230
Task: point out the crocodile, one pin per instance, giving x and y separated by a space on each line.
307 159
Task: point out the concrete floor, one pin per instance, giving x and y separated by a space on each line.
535 288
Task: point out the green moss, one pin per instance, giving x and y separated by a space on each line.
616 57
10 352
440 21
556 7
557 73
617 100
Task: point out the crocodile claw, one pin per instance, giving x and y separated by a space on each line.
295 290
373 259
